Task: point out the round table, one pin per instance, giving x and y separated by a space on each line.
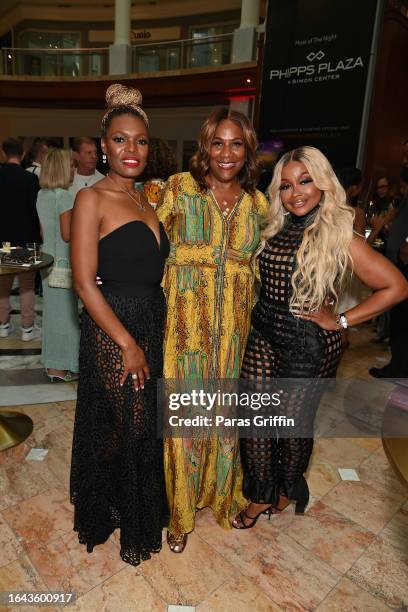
15 427
45 261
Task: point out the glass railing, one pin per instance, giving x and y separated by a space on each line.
206 52
54 62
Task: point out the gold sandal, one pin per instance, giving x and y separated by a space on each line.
176 543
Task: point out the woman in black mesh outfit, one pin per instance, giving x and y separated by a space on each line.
117 459
308 245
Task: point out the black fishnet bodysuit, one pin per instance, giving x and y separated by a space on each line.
117 460
283 346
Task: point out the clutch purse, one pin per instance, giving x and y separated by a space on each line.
60 276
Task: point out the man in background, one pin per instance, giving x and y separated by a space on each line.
86 158
36 156
19 225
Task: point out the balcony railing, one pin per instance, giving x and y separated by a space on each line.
54 62
211 51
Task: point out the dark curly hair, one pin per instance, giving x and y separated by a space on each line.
161 162
200 162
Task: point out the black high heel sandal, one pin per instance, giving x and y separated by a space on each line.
243 515
298 493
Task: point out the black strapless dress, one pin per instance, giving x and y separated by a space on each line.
117 459
281 346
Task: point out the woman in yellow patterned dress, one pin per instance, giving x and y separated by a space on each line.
212 216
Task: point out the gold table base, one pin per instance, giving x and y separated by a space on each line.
396 450
15 427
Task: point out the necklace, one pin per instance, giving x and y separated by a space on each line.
224 204
138 201
84 179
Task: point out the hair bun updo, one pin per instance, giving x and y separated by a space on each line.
120 95
121 99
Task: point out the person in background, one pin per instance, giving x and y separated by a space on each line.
382 211
353 290
85 157
381 214
19 225
350 179
161 164
36 155
403 185
60 327
397 252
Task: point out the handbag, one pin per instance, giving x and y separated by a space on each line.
60 276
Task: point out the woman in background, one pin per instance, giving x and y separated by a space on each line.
382 211
213 216
60 322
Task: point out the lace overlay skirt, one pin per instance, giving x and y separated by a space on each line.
117 459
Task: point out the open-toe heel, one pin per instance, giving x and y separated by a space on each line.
176 543
243 515
278 508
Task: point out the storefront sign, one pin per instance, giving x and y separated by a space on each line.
316 63
137 36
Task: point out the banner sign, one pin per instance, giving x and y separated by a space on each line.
316 61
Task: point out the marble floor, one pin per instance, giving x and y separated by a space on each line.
349 552
22 377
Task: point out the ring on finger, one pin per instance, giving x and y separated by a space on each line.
134 376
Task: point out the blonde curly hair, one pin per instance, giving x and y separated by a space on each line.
323 255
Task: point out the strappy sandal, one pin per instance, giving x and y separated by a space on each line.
243 515
280 507
68 377
176 543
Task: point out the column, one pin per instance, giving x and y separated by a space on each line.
120 51
249 14
244 40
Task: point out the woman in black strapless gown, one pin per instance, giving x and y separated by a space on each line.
309 243
117 458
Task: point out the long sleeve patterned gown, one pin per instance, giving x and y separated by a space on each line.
209 285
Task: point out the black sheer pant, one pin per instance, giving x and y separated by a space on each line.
295 350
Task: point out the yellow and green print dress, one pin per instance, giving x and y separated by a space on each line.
209 286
